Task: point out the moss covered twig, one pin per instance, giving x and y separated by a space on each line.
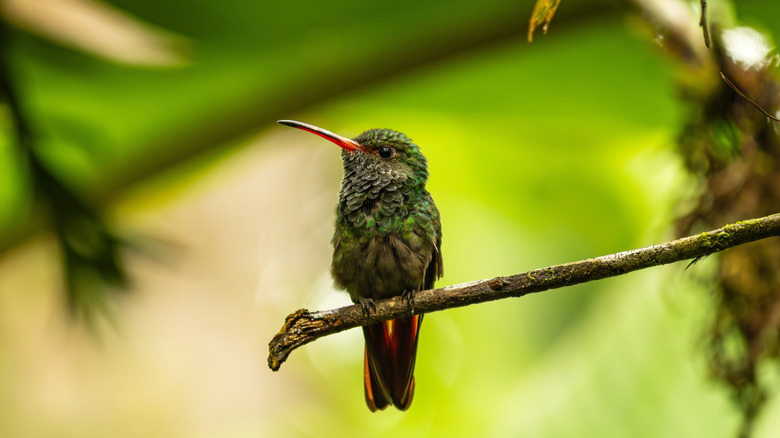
302 326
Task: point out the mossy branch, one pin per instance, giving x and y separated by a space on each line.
302 326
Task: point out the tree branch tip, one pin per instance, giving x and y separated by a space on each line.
289 337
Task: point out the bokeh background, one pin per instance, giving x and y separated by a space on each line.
162 115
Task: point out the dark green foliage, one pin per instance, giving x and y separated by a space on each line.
90 252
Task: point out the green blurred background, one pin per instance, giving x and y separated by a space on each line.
539 154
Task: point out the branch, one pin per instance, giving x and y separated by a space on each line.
302 326
744 96
705 28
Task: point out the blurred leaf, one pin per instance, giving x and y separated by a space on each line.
97 29
542 15
89 250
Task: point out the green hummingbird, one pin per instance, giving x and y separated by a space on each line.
387 243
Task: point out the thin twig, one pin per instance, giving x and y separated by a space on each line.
302 326
705 28
744 96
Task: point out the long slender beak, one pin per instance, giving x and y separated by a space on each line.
344 142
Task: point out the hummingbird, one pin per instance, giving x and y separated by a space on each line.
387 243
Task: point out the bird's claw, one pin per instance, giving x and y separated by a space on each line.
368 305
408 296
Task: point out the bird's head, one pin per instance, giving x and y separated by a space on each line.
385 152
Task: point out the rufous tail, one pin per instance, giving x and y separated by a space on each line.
391 347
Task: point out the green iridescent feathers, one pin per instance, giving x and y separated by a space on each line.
386 221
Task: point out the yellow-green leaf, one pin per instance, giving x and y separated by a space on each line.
542 15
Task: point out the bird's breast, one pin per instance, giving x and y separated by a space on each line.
380 266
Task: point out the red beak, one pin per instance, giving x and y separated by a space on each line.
344 142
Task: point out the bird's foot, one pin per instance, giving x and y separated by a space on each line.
408 296
368 305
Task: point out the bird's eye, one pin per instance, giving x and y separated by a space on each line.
386 152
